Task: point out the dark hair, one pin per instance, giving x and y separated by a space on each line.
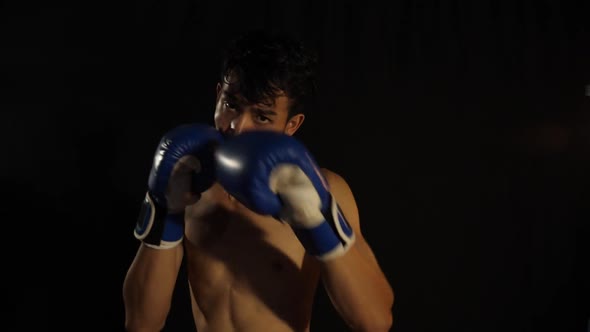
264 64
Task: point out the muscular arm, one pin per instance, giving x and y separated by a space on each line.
355 282
148 287
177 179
283 180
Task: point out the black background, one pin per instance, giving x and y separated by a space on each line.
462 128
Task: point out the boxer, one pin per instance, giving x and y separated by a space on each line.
259 223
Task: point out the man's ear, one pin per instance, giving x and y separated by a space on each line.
218 90
294 123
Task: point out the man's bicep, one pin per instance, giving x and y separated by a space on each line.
345 198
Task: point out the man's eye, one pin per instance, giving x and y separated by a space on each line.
229 104
262 118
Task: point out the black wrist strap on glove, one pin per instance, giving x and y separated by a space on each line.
157 228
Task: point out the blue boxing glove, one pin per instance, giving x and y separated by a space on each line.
274 174
183 168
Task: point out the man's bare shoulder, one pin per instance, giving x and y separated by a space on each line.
334 179
341 190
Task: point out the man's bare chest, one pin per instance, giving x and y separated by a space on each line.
230 247
219 220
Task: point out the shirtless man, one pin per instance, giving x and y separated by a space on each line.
260 224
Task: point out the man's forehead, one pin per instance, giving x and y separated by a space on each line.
233 91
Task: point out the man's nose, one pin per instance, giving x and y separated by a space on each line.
239 123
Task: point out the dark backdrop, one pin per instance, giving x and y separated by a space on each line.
462 128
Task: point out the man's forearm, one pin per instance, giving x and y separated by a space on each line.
148 287
359 291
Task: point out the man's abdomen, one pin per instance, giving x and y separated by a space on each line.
248 273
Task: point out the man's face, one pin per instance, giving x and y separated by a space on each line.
234 114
